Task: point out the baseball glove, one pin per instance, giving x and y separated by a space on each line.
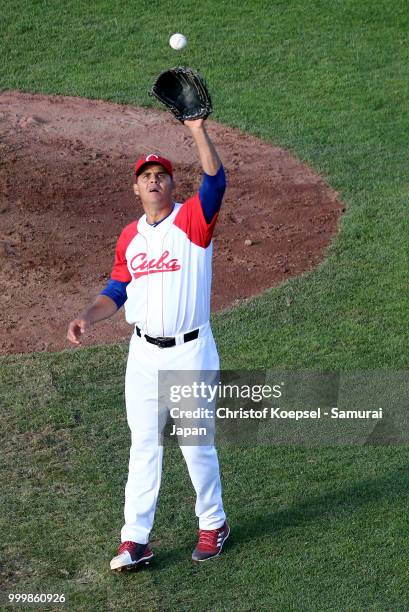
183 92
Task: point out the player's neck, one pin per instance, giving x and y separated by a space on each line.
154 216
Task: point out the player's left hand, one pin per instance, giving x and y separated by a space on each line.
184 92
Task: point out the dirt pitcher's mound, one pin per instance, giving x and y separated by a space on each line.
66 177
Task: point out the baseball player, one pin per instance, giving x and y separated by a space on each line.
162 275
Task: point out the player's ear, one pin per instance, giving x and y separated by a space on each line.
136 189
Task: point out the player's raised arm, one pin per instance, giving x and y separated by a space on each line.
184 92
208 155
213 185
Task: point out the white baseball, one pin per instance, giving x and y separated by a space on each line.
178 41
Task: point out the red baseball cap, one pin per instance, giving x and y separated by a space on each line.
152 158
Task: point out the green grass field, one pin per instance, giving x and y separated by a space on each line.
313 528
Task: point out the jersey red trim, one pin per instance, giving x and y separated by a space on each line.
190 219
120 270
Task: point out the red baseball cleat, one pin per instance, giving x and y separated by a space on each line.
210 543
130 554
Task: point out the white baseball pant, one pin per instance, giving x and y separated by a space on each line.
145 460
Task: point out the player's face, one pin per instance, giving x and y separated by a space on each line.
154 186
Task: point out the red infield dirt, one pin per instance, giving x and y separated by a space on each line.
66 193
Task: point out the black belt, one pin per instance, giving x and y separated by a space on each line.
164 342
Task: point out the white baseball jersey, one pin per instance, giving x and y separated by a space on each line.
168 270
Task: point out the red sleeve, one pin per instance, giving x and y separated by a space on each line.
120 270
190 219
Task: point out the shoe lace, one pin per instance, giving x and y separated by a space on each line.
208 538
127 547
